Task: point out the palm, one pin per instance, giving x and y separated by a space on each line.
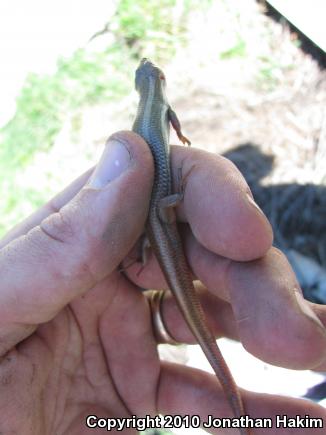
97 356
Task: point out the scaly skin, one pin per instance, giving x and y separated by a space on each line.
152 123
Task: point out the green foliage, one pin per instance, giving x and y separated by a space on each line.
238 50
45 100
86 77
152 27
270 72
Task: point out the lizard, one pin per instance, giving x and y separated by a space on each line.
152 123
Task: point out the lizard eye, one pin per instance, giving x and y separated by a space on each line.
162 76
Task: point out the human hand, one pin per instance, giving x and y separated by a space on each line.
76 335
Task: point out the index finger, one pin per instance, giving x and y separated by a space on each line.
219 206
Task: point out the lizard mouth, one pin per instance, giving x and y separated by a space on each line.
147 72
145 61
147 68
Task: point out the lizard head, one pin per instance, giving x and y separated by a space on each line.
148 74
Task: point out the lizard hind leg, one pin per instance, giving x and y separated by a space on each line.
166 207
142 255
145 250
182 180
167 204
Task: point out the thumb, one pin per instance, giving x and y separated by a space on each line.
74 248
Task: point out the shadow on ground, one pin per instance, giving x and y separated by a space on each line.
296 211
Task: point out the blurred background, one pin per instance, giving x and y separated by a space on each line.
246 83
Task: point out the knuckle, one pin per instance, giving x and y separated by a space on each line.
52 206
59 227
69 259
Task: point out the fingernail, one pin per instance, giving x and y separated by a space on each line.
305 308
113 162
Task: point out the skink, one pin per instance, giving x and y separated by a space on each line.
153 124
